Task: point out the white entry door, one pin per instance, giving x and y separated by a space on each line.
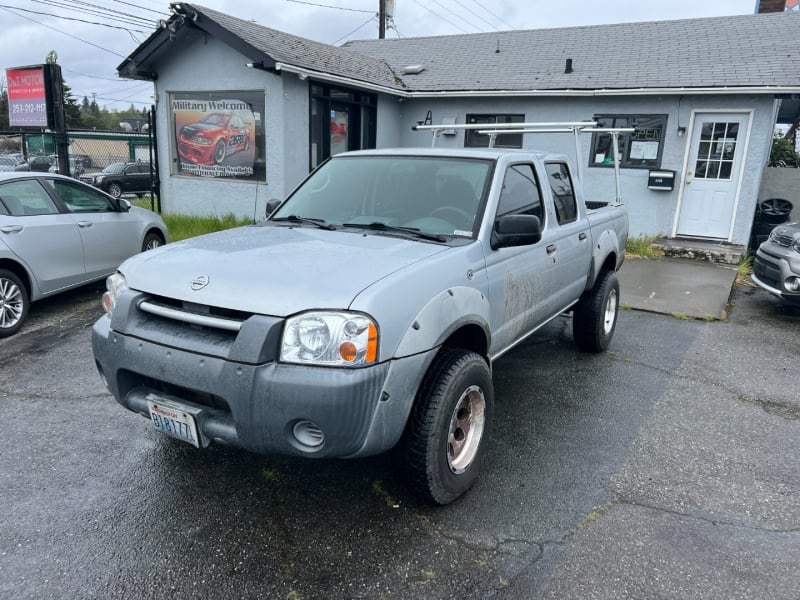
711 180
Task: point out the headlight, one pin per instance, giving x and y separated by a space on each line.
98 179
337 339
116 285
201 141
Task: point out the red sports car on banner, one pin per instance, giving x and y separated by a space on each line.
211 140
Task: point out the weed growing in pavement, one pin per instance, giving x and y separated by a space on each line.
642 247
681 316
744 270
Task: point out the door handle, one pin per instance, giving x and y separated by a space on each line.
582 236
551 248
84 223
11 228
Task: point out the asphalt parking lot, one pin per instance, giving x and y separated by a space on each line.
664 468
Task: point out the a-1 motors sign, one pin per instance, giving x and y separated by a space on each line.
27 97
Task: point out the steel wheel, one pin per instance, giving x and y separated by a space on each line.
466 429
610 317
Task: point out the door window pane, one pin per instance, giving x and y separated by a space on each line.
80 199
563 192
25 198
520 194
716 151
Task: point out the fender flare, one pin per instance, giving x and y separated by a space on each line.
605 245
443 315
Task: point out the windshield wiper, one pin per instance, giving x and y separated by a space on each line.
317 222
379 226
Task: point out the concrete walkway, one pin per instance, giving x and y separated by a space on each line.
694 288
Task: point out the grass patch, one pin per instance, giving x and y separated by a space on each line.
181 227
642 247
744 269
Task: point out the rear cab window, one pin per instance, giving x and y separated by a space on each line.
560 180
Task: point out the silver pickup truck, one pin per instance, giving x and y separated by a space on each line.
365 312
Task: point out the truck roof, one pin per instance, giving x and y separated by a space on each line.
485 153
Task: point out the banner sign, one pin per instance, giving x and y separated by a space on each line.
215 133
27 103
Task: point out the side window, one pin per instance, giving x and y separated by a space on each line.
26 198
80 199
563 192
520 194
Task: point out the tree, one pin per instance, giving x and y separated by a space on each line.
783 153
4 110
72 112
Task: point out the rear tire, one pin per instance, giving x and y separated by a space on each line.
595 316
115 190
14 303
445 440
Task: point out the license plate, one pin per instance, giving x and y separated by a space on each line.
174 421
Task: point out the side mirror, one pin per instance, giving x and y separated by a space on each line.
516 230
124 205
272 205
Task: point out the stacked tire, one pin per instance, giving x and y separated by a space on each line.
770 212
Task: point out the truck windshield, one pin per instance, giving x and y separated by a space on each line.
433 194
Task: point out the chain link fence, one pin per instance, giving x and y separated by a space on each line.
121 164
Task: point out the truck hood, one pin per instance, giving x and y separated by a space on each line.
273 270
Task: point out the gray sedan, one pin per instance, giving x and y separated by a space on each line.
57 233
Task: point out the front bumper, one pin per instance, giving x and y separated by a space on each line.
770 272
256 406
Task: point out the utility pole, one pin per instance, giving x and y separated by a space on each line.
381 19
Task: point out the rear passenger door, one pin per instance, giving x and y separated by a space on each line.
571 245
109 235
521 278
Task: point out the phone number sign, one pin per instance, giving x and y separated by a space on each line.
27 105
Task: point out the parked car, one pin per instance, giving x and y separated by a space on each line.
122 178
75 167
57 233
776 267
84 159
13 162
366 311
212 139
42 163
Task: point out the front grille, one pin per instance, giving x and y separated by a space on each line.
197 315
767 272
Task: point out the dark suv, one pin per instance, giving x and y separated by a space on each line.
122 178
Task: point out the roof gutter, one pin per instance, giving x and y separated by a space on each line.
349 81
701 91
304 73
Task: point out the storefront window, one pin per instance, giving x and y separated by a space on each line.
640 149
341 120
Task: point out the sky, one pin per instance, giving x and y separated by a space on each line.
92 37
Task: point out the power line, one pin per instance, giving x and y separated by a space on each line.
59 31
367 22
161 12
36 12
445 19
451 11
472 12
336 7
93 9
494 15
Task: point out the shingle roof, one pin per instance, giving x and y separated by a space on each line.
744 50
716 52
305 53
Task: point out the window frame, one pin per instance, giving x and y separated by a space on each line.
645 135
508 140
574 206
537 186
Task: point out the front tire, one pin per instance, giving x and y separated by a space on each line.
14 303
115 190
445 440
152 241
219 152
595 316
